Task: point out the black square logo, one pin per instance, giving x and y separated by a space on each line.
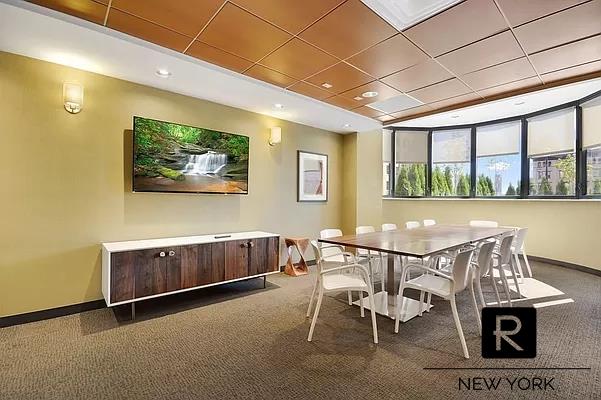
508 332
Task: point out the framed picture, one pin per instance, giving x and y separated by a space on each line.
312 176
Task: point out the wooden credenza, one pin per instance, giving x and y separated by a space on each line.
143 269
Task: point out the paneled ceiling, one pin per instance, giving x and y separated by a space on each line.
337 51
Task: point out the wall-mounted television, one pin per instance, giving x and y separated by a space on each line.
177 158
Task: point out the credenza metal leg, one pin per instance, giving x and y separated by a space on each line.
133 311
264 281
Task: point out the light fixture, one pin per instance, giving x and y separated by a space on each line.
275 136
346 125
404 13
519 103
278 106
455 116
369 94
358 98
163 73
73 97
326 85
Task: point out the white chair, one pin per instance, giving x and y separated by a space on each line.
484 224
518 248
503 266
335 253
389 227
370 255
482 265
332 280
442 285
411 224
429 222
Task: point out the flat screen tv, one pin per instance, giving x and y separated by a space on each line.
178 158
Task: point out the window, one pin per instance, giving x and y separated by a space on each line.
411 158
451 162
386 161
498 159
591 144
552 139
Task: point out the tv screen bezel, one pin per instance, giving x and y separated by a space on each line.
133 162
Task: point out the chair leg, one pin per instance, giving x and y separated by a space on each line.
372 307
382 274
458 325
421 302
494 285
361 303
312 297
512 267
527 263
350 298
315 314
505 285
480 293
476 309
520 272
428 302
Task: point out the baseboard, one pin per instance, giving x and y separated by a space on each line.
565 264
51 313
309 262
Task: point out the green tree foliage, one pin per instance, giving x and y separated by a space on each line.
484 186
403 186
597 187
438 183
411 180
567 167
510 190
463 186
545 187
449 187
533 190
490 185
562 188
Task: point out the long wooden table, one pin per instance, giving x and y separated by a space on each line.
419 242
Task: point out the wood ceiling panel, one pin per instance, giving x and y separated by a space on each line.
412 111
92 11
510 87
292 16
569 25
485 53
587 68
184 16
310 90
343 102
385 118
462 24
368 112
298 59
503 73
384 92
389 56
418 76
454 101
341 76
217 56
147 30
522 11
440 91
268 75
566 56
239 32
347 30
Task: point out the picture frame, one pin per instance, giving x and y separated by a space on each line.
312 177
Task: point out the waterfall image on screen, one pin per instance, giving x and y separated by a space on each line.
170 157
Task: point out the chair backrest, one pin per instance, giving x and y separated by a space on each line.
331 250
389 227
485 257
519 238
429 222
505 249
461 269
318 257
484 224
364 229
411 224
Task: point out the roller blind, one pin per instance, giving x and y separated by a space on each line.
452 146
552 133
497 140
411 146
386 146
591 123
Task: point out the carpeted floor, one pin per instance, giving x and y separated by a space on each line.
241 341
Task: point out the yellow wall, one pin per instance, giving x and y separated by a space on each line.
349 184
66 187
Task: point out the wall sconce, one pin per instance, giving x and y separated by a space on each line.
73 97
275 136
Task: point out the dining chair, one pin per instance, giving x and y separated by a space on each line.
482 269
332 280
518 248
389 227
484 224
429 222
502 266
335 253
371 256
411 224
440 284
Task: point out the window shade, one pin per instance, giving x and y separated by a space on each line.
498 140
552 133
591 123
411 146
451 146
386 146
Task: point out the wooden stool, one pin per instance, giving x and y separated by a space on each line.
300 244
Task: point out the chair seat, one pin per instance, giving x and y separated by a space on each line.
342 281
430 283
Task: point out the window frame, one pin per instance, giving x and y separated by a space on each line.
523 192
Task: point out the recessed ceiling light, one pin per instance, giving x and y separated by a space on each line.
163 73
278 106
369 94
358 98
326 85
519 103
346 125
455 116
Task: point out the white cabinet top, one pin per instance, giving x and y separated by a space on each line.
183 241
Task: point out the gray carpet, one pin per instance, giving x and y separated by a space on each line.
241 341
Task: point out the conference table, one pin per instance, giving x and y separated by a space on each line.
417 243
